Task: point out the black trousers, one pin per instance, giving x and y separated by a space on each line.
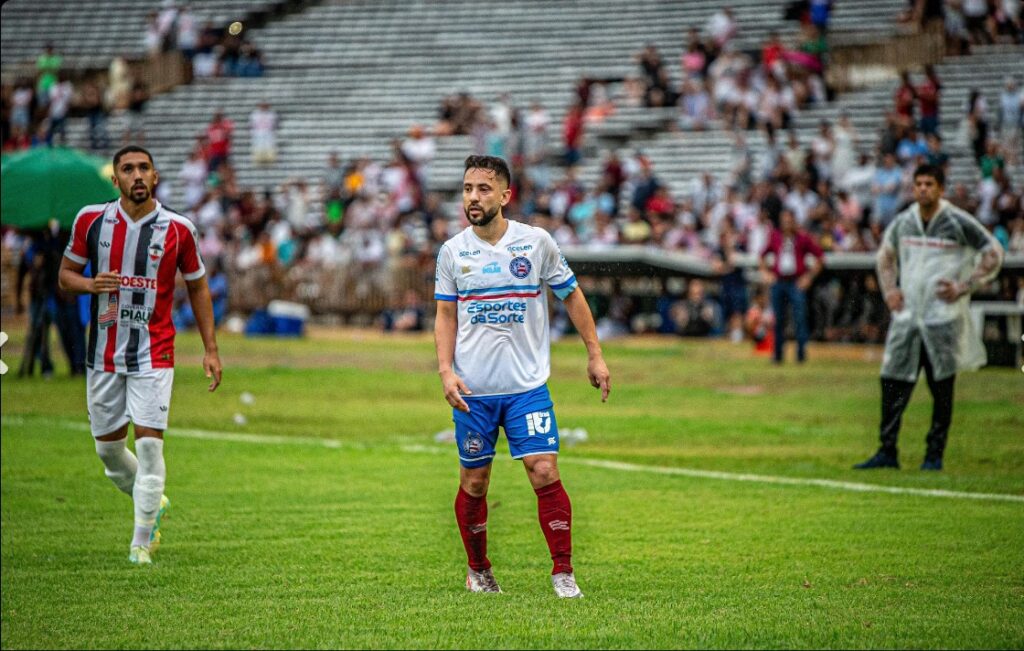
895 398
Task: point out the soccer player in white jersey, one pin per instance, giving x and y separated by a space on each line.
135 247
493 352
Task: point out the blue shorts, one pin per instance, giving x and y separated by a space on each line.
527 418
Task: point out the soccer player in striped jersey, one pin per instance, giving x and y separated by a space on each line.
493 352
135 247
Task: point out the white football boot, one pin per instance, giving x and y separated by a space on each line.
482 581
565 585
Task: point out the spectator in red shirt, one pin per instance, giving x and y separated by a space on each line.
784 267
614 177
219 133
928 99
572 132
904 100
771 55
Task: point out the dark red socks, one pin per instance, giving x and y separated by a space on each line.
555 514
471 514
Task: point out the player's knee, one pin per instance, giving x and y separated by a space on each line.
110 452
543 472
475 486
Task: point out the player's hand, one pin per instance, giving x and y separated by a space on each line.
211 364
804 282
768 278
107 281
894 300
949 290
454 389
600 378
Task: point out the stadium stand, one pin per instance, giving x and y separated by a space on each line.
352 77
402 59
91 32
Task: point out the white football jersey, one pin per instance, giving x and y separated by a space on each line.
503 344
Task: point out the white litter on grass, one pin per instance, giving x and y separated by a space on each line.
240 419
445 436
247 398
571 436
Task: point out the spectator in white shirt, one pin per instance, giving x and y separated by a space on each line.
188 32
801 200
193 175
1010 122
61 94
420 149
721 27
263 124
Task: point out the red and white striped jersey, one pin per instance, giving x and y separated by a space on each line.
131 330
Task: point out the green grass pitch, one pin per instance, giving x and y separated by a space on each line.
276 540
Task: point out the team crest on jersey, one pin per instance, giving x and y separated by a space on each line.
473 444
155 251
520 267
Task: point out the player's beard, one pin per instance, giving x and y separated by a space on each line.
142 197
485 218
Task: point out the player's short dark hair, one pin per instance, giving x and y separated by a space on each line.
493 163
132 149
933 171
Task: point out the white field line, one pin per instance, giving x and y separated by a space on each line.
269 439
793 481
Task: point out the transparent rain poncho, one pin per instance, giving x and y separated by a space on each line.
953 246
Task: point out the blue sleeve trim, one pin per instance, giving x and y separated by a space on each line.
446 297
563 292
571 281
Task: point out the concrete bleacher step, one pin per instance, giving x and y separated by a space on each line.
350 76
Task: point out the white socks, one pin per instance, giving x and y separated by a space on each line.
119 464
149 487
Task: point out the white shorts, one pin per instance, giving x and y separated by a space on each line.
113 399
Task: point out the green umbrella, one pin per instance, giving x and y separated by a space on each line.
51 183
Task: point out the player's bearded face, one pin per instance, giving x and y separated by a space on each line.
479 216
483 195
136 177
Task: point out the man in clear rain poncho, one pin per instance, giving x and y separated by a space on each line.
933 255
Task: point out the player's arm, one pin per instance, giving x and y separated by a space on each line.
446 325
583 320
202 307
804 282
72 280
990 259
887 268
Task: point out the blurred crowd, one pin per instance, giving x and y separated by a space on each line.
969 22
36 110
372 228
211 50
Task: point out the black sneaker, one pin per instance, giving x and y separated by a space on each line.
932 463
880 460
